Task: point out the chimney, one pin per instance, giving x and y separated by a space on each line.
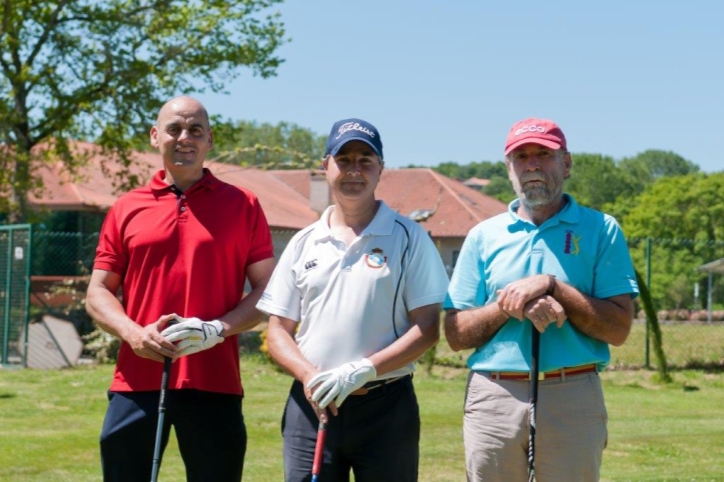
319 193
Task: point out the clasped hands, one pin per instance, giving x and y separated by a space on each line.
527 299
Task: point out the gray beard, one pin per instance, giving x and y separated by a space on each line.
538 196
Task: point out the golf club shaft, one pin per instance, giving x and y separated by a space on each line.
161 416
319 450
533 397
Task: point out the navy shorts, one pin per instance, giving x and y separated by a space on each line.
209 429
376 436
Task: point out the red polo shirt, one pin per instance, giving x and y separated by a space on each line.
188 256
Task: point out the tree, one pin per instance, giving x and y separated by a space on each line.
684 216
267 146
595 180
481 170
646 167
84 69
501 189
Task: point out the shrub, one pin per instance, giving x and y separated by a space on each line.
101 346
264 348
698 315
680 315
663 315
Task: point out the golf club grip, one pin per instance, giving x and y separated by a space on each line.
164 384
319 450
533 399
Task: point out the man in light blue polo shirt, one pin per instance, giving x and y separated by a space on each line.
547 261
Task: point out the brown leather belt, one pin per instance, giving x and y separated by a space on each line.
377 384
562 373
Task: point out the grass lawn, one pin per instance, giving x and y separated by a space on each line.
685 344
50 422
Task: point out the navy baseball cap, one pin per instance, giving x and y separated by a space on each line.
353 130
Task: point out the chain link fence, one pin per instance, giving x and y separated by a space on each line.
692 329
63 254
15 253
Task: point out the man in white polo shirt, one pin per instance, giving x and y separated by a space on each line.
353 302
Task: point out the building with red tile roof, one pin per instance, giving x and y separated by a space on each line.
447 208
477 183
291 199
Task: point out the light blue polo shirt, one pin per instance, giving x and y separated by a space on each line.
580 246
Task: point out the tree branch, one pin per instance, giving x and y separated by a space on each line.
47 30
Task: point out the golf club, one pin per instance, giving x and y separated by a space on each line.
319 450
533 398
161 416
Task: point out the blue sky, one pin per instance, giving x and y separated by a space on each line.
444 80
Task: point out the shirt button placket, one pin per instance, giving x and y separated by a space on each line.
182 214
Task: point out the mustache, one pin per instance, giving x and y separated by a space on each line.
533 177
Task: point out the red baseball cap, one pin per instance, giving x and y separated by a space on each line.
535 131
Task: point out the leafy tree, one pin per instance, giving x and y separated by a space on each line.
501 189
684 216
481 170
267 146
659 164
595 180
88 69
646 167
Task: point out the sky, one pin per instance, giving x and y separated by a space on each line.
444 80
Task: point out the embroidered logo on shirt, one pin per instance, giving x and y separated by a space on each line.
571 244
376 259
310 265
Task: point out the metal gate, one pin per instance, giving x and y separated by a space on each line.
15 258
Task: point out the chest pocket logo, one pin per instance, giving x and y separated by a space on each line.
571 243
310 265
376 259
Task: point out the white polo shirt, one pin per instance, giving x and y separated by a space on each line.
353 301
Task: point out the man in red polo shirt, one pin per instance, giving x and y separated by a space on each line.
183 245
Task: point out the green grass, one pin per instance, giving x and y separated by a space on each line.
685 344
50 421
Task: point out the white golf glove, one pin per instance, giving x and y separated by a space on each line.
193 335
341 381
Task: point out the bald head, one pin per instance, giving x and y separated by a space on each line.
182 102
183 137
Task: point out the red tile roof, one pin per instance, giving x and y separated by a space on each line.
284 195
93 187
283 206
94 190
476 182
458 207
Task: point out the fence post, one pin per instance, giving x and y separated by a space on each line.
648 283
28 284
710 287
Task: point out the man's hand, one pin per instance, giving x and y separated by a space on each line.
513 298
147 342
543 311
193 335
338 383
